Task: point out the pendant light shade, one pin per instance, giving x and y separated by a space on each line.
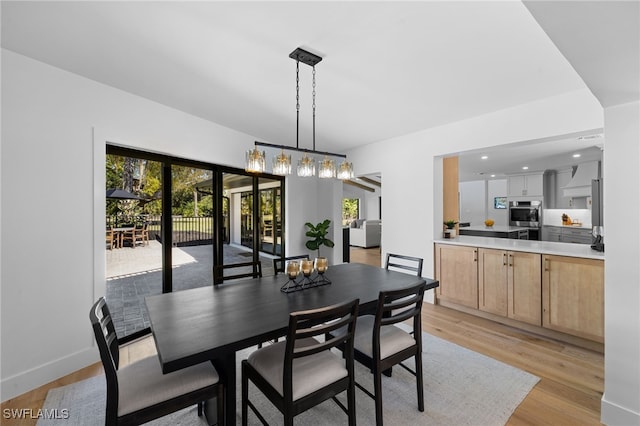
345 170
254 161
282 164
327 169
306 166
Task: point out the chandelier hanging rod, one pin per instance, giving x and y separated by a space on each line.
293 148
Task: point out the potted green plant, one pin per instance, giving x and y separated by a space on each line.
318 233
450 231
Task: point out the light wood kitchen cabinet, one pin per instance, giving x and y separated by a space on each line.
573 296
509 284
456 268
525 185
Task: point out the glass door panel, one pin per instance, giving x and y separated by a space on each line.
133 243
270 194
192 226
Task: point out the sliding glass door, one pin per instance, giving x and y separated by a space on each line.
170 222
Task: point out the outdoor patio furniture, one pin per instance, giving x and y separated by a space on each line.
132 235
111 239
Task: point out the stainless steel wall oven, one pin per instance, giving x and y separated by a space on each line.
525 213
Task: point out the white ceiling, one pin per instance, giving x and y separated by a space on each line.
554 154
389 68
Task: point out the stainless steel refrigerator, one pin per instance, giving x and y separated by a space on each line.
597 217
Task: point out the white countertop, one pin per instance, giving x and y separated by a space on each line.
569 226
542 247
494 228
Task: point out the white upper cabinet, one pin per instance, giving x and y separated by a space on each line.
529 185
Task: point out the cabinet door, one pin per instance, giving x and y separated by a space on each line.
492 281
517 186
573 296
551 233
457 271
534 185
580 236
524 287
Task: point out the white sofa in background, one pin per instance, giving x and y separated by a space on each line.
366 233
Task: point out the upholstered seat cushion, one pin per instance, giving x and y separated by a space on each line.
310 373
142 383
392 338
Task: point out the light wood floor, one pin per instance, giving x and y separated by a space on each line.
569 392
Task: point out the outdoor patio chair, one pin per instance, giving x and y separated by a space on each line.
133 235
140 392
111 239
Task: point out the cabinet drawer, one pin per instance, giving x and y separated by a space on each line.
577 232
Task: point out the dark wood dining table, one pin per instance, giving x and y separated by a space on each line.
211 323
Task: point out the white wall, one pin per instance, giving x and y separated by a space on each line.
52 177
473 200
369 201
621 399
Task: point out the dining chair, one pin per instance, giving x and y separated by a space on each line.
301 372
239 270
279 263
140 392
401 263
379 344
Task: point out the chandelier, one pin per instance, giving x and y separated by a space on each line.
281 164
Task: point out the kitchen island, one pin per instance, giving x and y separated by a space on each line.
549 288
496 231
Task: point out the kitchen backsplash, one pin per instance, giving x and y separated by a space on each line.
553 217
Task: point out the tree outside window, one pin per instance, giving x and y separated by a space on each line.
350 210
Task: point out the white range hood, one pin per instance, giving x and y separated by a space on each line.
580 183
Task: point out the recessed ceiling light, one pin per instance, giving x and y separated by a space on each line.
525 168
493 175
576 155
484 157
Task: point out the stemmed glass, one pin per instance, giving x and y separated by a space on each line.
306 266
292 268
321 264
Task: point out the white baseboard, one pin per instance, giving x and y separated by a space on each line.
613 414
29 380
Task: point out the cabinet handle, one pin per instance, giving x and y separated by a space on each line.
504 259
510 260
475 255
546 264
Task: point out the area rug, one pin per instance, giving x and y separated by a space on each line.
462 387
